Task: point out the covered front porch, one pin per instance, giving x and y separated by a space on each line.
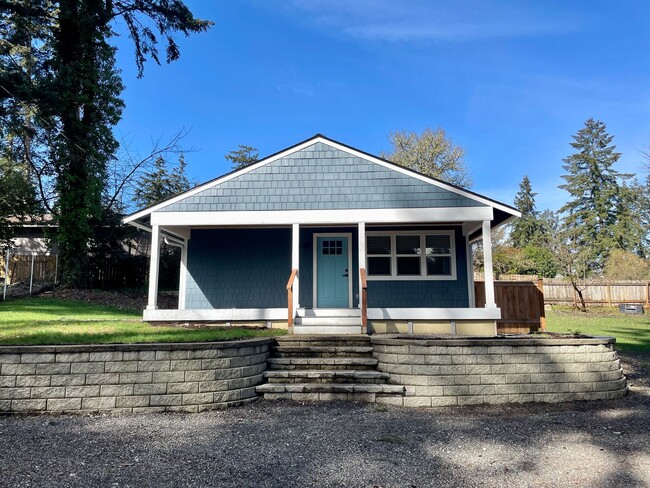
402 270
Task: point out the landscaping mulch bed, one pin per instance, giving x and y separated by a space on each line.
123 300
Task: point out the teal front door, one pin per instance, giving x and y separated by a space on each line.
332 272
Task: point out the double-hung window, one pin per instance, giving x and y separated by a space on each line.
428 255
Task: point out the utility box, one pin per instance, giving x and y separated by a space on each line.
631 308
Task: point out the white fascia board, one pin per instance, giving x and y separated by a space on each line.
434 313
289 217
223 179
224 314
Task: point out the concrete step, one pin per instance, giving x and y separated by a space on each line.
330 388
327 376
321 351
322 363
324 340
352 329
329 321
328 312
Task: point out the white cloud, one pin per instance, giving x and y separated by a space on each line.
412 21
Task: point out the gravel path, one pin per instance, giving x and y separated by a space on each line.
279 444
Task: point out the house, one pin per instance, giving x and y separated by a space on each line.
324 238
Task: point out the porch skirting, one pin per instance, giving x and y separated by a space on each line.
454 321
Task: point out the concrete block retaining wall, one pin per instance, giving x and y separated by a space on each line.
134 378
444 372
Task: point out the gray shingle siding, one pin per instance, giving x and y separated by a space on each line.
238 268
320 177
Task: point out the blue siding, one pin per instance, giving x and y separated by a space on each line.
316 178
424 293
238 268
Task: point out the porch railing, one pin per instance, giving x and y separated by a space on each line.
364 300
290 310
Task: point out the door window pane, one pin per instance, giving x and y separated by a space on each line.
379 266
407 244
407 266
378 245
439 265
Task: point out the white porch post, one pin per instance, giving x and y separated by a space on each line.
154 264
470 273
362 257
295 264
489 271
182 281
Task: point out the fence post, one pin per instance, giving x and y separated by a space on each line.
647 295
542 311
31 275
609 294
4 291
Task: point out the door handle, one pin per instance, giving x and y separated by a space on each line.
346 273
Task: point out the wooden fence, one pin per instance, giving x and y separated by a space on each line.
598 293
106 273
521 304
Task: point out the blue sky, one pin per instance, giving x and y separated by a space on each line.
509 81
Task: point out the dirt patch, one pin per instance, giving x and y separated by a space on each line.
123 300
636 366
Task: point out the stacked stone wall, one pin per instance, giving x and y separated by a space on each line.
446 372
184 377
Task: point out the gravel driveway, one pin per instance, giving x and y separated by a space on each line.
269 444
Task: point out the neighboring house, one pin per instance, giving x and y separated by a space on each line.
336 215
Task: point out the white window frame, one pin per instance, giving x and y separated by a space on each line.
423 262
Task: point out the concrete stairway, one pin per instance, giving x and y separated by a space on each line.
325 368
327 321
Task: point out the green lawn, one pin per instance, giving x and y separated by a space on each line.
55 321
632 332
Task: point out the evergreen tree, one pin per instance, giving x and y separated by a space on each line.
431 153
242 157
526 229
161 183
77 96
632 229
590 217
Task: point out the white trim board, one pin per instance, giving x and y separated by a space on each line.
333 144
330 217
219 314
434 313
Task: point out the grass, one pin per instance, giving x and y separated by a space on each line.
55 321
632 332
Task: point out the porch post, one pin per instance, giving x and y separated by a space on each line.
362 257
182 281
470 273
295 264
489 271
154 264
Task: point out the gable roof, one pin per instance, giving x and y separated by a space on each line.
331 175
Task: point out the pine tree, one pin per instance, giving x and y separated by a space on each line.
242 157
590 217
161 183
78 97
526 229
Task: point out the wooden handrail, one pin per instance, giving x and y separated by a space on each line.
364 300
292 278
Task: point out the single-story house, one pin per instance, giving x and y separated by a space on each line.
325 238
